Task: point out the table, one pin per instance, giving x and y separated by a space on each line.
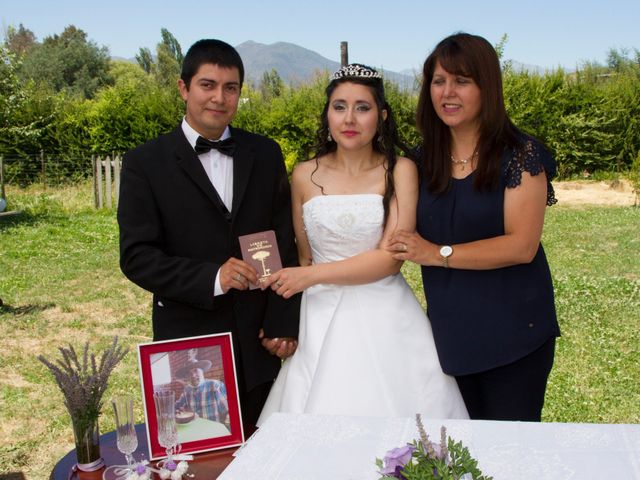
207 465
318 447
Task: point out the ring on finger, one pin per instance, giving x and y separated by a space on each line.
238 277
403 247
278 284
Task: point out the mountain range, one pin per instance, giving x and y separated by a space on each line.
296 64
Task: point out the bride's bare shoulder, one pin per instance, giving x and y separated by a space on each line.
303 171
305 167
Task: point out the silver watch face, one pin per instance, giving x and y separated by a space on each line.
446 251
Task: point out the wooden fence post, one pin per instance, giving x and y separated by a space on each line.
116 176
2 177
96 185
43 167
106 194
99 180
107 181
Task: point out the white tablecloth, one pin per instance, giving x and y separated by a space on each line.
310 447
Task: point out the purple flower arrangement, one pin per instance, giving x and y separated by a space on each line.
83 379
426 460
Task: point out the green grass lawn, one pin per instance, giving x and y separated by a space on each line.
60 283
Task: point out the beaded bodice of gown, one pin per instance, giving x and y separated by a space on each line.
341 226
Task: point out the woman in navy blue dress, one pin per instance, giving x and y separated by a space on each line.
484 189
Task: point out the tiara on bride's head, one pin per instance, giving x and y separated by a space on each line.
355 70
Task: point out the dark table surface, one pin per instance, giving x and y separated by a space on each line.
204 465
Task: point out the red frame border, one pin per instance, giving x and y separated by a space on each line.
145 350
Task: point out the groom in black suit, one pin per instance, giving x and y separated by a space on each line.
185 197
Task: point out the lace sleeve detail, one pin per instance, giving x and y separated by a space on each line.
534 158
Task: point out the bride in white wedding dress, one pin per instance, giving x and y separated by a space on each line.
365 345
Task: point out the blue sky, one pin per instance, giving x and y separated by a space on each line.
393 34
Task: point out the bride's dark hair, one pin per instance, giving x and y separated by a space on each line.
386 138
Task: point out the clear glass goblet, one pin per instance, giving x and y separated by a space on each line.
165 402
127 441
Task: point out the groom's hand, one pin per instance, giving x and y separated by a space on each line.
282 347
235 273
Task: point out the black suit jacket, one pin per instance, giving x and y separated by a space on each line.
175 234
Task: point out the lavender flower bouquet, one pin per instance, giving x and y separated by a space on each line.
426 460
83 382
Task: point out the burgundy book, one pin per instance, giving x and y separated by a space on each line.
260 250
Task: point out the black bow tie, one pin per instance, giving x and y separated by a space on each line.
226 146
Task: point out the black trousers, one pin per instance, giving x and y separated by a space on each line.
251 403
511 392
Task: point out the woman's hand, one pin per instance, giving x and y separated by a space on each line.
411 246
289 281
281 347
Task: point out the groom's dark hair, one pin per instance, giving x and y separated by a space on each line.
211 51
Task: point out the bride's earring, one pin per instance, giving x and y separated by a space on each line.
329 137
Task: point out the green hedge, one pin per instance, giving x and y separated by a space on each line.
589 123
589 119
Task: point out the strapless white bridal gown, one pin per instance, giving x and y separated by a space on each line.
365 349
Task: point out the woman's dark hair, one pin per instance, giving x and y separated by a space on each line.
211 51
470 56
386 138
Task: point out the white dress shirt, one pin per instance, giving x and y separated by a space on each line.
219 169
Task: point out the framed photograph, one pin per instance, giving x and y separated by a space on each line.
198 375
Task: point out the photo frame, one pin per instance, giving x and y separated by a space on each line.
201 372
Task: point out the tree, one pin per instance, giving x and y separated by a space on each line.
145 60
172 46
13 98
125 72
506 64
169 59
168 63
621 60
19 40
271 85
68 62
499 47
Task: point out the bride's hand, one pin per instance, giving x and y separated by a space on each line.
288 281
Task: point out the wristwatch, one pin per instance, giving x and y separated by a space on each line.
445 253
